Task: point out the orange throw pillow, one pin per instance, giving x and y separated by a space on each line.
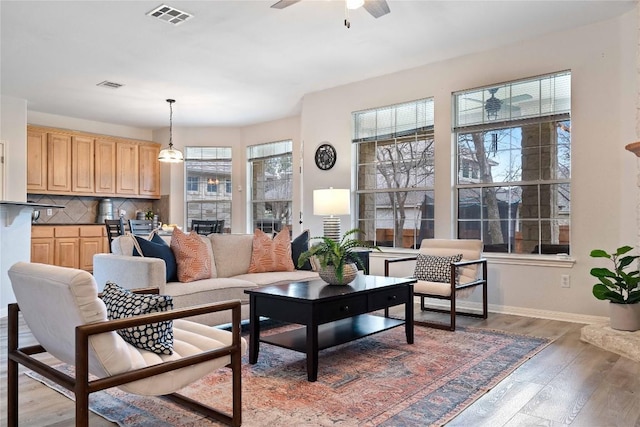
192 257
271 254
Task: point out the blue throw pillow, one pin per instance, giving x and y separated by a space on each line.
299 245
158 248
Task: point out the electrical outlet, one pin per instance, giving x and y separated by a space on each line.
565 281
49 212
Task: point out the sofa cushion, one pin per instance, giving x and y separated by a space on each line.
156 337
299 245
279 277
232 253
192 256
158 248
271 254
433 268
208 290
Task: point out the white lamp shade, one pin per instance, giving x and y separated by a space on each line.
332 201
354 4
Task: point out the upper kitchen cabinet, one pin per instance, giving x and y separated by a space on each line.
127 169
149 171
82 166
105 164
68 162
36 161
59 169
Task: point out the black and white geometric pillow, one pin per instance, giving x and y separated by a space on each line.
432 268
121 303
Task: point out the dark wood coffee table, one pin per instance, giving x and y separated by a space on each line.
332 314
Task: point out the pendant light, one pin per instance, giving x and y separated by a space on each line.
170 155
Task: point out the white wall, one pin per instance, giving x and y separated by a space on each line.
604 87
63 122
13 130
172 175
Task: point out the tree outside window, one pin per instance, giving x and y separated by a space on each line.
395 150
520 200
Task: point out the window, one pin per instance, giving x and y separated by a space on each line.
206 168
514 165
270 174
395 160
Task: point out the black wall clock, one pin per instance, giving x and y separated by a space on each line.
325 156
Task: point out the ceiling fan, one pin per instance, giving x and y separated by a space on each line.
376 8
493 105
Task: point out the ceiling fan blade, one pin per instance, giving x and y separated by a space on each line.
283 3
377 8
519 98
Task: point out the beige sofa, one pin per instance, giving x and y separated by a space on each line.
231 256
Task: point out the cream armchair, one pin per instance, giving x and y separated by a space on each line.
64 313
465 276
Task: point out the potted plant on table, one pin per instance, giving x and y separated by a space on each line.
338 263
621 286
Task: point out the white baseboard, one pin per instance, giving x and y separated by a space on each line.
525 312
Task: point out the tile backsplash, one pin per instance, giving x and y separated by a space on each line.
85 210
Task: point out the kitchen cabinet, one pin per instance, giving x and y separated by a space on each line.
82 164
36 161
105 166
70 246
58 162
149 171
127 168
67 162
42 246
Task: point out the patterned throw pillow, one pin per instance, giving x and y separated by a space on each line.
121 303
432 268
157 248
192 256
271 254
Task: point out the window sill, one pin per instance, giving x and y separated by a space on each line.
561 261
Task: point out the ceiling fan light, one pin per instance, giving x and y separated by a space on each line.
354 4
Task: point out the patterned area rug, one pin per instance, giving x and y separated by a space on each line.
376 381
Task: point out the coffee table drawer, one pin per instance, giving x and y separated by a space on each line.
346 307
388 298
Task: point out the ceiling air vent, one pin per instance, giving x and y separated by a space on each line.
170 14
110 85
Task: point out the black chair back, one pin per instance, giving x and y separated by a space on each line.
115 228
207 226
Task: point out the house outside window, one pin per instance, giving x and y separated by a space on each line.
395 173
206 168
270 170
517 136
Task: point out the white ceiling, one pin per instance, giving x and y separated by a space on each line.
242 62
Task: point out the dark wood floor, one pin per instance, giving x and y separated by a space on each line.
568 383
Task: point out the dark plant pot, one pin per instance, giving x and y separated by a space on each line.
328 274
624 317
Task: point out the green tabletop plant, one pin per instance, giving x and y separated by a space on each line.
336 253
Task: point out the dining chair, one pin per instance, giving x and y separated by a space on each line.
115 228
141 227
207 226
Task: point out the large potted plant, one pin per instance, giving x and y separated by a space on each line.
621 286
338 262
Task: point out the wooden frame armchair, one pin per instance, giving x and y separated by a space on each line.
464 277
61 307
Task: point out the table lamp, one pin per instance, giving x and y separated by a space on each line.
332 202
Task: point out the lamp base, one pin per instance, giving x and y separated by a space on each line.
331 226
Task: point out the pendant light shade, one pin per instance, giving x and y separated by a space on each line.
170 155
